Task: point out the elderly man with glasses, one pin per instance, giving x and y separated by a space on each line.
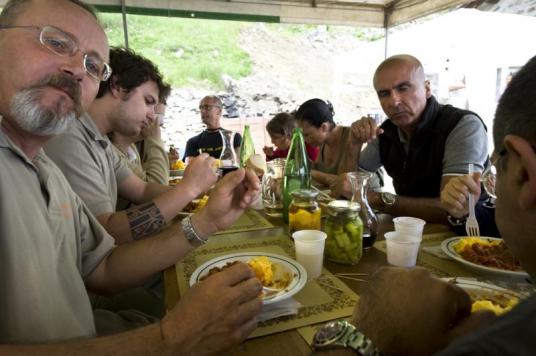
52 249
209 141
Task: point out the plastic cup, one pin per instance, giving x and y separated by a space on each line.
402 249
407 225
309 245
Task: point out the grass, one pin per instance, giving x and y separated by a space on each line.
360 33
189 52
195 52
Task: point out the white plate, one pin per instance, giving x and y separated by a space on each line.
448 247
296 269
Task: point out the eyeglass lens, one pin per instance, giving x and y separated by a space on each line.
62 44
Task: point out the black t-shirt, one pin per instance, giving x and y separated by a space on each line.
209 142
512 334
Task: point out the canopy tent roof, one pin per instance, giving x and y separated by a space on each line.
366 13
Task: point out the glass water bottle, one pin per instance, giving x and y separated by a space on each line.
297 171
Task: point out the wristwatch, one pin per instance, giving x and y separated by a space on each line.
342 334
190 233
388 201
453 221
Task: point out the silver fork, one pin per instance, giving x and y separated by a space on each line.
471 225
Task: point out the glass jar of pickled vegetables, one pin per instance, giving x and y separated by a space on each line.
344 228
304 212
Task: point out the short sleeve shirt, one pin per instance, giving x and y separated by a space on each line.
91 164
467 143
49 242
208 142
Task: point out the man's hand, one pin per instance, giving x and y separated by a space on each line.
341 187
200 174
151 130
410 312
455 194
235 192
365 130
215 314
268 151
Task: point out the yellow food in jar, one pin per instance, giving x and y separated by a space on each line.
304 219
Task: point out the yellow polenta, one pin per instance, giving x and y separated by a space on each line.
263 269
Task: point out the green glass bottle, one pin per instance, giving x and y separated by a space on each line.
247 149
297 170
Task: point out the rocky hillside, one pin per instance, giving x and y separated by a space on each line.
287 70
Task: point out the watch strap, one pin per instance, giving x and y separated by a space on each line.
456 221
357 341
388 201
190 234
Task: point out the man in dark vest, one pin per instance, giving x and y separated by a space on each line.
422 144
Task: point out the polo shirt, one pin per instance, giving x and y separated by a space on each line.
155 167
49 242
90 163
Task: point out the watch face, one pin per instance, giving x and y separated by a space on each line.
329 333
388 198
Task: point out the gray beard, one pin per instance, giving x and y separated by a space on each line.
32 118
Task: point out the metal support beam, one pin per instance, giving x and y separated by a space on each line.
125 26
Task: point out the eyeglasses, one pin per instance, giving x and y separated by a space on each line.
489 176
63 44
208 107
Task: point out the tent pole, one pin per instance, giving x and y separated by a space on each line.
125 27
386 14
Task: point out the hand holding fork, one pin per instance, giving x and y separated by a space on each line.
471 225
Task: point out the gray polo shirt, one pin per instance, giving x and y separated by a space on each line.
89 162
467 143
49 242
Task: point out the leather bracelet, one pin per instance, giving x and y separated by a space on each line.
190 234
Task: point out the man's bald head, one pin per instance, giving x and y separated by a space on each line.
401 60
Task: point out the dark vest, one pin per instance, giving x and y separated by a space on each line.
418 173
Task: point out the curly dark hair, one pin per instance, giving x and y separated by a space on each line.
130 70
315 112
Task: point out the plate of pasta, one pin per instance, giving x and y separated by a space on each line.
483 254
282 274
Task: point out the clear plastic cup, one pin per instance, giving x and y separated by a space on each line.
309 245
402 249
409 226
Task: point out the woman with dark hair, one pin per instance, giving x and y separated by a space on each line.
337 152
280 130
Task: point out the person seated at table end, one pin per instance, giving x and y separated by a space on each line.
421 145
410 312
209 140
280 130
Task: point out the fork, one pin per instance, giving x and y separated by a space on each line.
471 225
